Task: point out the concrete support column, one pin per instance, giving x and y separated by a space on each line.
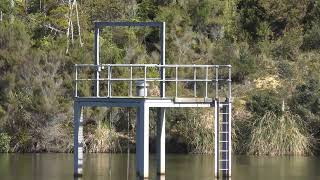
161 142
142 146
78 141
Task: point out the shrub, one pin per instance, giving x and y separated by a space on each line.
103 139
194 128
311 39
263 101
288 46
280 135
4 142
305 101
285 70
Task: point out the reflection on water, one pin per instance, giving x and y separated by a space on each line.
161 177
178 167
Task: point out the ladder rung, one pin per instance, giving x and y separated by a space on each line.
224 123
224 160
223 113
224 132
223 150
224 104
223 169
224 141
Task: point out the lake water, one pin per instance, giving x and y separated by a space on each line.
178 167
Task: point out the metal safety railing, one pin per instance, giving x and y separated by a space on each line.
207 74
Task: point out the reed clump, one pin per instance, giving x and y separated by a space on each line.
280 135
103 139
195 128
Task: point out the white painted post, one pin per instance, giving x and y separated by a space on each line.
78 141
161 142
143 141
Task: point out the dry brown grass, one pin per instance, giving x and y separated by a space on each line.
284 135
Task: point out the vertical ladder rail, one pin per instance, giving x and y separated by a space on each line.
216 137
223 130
224 139
229 100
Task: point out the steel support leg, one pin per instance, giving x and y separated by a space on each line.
78 141
143 141
161 141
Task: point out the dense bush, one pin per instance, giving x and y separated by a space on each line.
285 70
311 40
264 101
4 142
306 102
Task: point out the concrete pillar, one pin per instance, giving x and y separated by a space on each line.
78 141
142 145
161 142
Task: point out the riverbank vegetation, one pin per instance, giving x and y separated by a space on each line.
272 45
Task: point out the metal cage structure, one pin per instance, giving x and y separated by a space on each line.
210 84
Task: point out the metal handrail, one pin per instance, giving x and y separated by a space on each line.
153 65
215 80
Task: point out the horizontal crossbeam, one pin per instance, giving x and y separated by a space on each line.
124 24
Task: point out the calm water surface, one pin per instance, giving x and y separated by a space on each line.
178 167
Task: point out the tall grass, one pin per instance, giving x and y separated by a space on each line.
195 128
103 139
280 135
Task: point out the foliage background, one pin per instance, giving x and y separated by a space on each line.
272 45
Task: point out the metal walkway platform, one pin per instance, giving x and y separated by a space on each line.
136 102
